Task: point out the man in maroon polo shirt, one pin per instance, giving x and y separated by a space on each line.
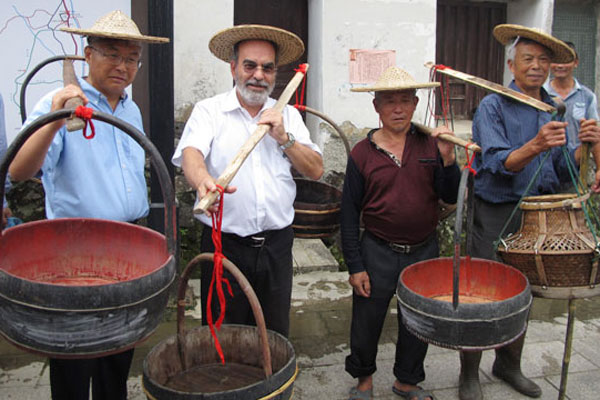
395 178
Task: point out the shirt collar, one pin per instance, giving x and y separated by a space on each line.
94 94
232 102
546 98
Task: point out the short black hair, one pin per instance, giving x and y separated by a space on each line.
572 46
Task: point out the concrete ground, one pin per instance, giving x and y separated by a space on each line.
320 327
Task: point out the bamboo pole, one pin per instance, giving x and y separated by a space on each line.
250 144
494 87
450 138
69 78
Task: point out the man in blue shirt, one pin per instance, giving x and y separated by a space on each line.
98 178
514 138
581 102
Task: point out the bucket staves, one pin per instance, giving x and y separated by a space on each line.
187 366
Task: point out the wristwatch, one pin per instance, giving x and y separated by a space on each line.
289 143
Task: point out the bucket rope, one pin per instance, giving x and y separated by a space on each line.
434 76
86 113
300 106
571 168
217 276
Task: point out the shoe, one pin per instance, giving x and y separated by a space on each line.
356 394
417 394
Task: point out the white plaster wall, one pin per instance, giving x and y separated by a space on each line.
336 26
531 13
198 74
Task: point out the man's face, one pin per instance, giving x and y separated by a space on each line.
563 71
396 109
530 66
254 71
113 65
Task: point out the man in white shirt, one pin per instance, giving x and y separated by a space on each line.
258 208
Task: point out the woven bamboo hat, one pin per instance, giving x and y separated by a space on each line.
289 46
395 78
561 52
116 25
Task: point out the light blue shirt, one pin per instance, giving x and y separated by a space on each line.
3 145
98 178
581 103
501 126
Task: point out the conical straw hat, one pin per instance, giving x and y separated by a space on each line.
561 52
395 78
116 25
289 46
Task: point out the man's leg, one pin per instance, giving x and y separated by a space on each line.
70 379
469 387
507 367
109 378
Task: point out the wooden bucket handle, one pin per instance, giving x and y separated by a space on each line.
248 291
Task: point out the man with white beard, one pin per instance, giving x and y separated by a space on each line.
258 209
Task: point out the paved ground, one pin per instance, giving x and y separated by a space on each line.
319 332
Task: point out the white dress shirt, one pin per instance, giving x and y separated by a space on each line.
265 194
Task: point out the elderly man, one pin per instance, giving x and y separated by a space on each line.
101 178
513 137
394 179
258 209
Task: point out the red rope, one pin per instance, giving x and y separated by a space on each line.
470 159
301 68
217 276
86 113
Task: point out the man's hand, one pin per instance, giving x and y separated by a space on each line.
275 119
360 283
589 131
446 148
208 185
596 185
552 134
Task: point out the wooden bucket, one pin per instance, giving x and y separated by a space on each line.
554 247
82 287
316 209
464 303
259 364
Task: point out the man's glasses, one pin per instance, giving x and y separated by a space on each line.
267 69
117 59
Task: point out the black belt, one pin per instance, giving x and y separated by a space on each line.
403 248
255 240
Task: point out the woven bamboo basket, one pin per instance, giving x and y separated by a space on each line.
554 247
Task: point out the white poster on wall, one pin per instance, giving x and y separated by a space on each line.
29 34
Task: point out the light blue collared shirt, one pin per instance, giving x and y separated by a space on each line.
501 126
98 178
581 103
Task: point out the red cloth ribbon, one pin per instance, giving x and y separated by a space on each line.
86 113
470 159
301 68
217 276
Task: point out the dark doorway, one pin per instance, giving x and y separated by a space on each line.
465 43
291 15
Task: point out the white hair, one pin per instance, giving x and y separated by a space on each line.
511 50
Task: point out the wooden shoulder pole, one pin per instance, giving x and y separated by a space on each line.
247 147
449 138
494 87
73 123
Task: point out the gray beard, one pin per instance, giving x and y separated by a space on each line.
251 97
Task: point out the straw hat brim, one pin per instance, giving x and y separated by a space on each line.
289 46
118 36
561 52
388 88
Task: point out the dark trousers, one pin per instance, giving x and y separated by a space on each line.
268 266
70 379
384 266
488 221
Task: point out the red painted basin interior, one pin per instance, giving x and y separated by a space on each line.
478 277
81 252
